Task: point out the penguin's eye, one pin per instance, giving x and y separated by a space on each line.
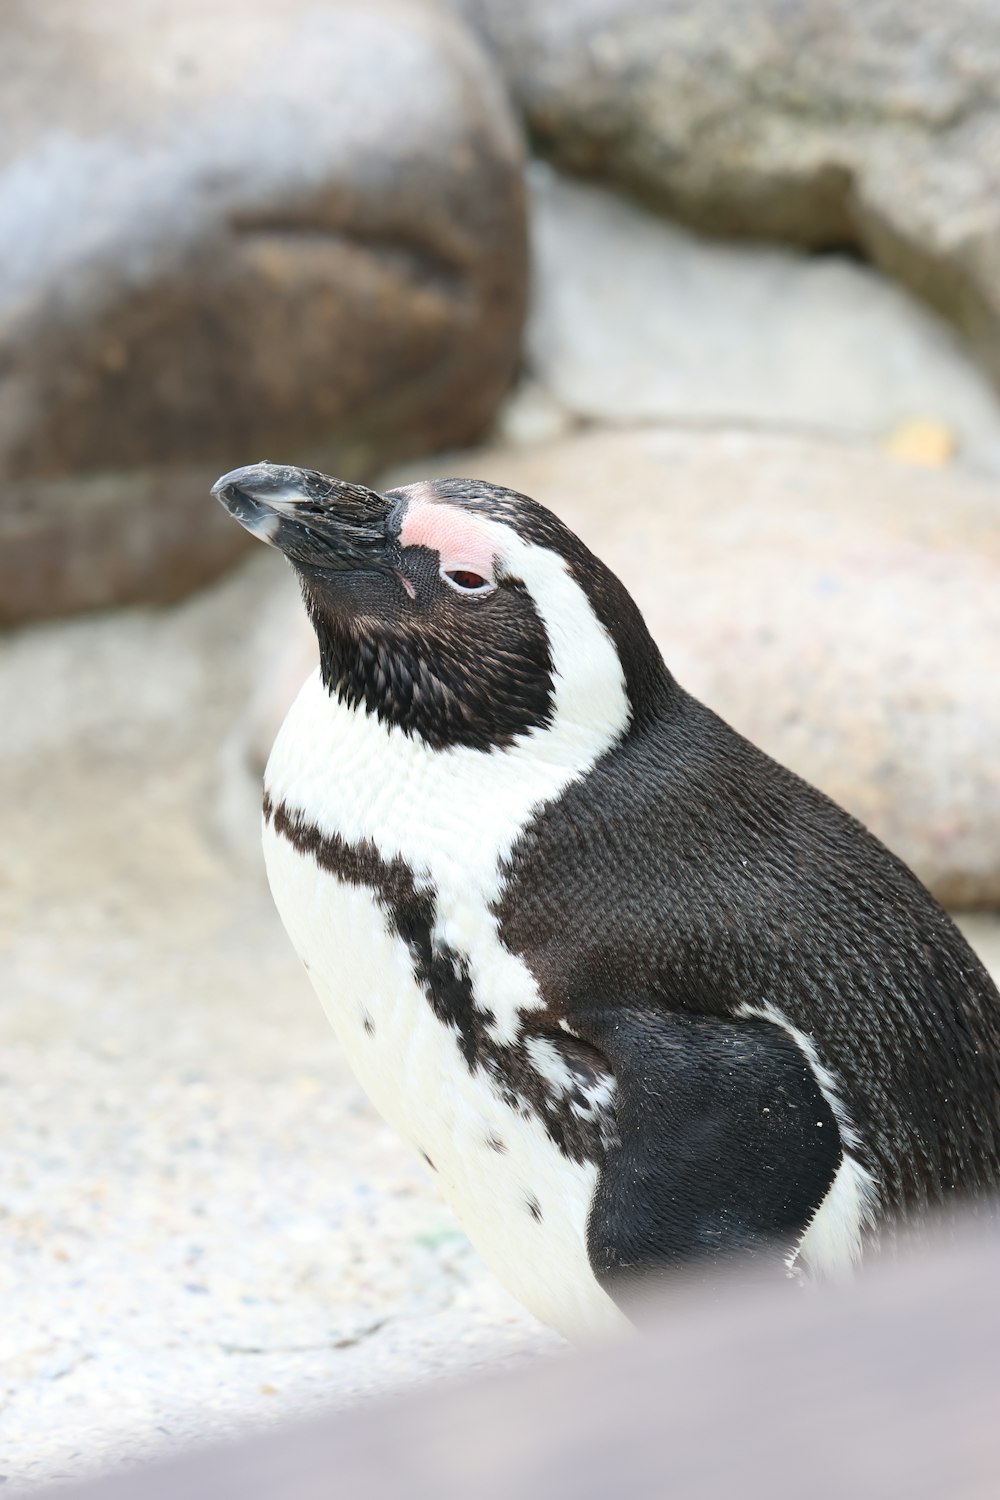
465 581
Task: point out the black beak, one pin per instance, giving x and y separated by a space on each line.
311 518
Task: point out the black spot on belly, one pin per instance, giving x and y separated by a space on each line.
496 1144
580 1128
369 1025
442 974
535 1209
428 1161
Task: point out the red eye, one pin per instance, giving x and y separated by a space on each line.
466 581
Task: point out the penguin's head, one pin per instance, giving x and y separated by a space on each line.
462 612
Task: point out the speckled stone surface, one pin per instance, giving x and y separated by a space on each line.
203 1226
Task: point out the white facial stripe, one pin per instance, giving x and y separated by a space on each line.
589 681
460 538
454 815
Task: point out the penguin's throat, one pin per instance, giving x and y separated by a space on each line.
442 691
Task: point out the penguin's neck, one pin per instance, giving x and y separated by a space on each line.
451 817
356 776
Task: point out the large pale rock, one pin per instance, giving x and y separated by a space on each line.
235 229
635 319
868 122
838 608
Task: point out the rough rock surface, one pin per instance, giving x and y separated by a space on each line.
840 609
203 1225
634 319
863 122
231 230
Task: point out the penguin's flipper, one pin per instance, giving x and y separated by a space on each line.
726 1145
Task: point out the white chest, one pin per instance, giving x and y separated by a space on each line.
522 1202
449 821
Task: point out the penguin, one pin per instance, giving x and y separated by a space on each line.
644 1001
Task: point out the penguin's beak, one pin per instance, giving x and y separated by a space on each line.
311 518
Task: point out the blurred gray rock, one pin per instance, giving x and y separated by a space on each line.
232 231
634 319
867 122
840 609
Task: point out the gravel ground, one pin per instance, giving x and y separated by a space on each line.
203 1224
204 1227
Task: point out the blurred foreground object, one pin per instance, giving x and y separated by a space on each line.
889 1388
234 227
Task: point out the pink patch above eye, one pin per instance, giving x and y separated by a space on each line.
458 538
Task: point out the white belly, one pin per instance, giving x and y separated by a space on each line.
523 1203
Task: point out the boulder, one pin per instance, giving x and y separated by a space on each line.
867 123
233 230
840 609
636 319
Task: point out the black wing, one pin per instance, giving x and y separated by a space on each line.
726 1145
688 871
